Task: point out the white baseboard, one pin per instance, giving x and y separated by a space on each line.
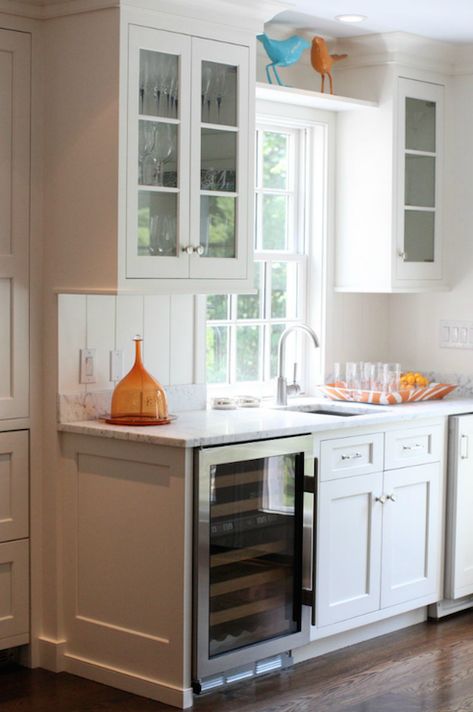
55 657
51 654
123 680
358 635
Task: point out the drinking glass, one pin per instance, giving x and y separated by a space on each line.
391 377
353 374
337 374
365 374
163 151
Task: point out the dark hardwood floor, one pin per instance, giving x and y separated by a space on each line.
426 668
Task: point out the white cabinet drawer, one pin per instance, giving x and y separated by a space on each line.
348 457
14 589
13 485
413 446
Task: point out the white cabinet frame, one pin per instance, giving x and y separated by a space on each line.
234 55
411 88
143 267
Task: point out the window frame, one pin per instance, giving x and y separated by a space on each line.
319 157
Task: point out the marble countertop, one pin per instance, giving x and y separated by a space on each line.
218 427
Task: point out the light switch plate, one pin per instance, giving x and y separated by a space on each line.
87 366
456 334
116 365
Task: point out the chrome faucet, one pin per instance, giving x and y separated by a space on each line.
283 390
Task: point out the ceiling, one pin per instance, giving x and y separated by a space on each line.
448 20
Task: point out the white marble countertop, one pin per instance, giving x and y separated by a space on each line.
217 427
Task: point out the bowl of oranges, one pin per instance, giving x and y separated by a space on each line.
411 380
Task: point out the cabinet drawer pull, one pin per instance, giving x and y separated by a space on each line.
412 447
353 456
391 497
381 499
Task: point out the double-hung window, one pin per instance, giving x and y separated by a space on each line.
243 331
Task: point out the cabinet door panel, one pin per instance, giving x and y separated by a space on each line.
348 548
419 178
220 160
13 485
158 150
411 521
14 222
459 550
14 589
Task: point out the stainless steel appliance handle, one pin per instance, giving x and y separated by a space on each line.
310 487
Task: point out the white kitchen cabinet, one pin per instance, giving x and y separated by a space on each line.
349 548
379 534
128 565
14 545
389 185
188 165
14 222
164 182
14 593
411 524
459 549
14 485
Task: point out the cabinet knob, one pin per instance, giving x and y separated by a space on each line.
381 499
402 255
391 497
188 249
200 249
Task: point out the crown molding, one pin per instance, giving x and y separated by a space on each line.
243 13
400 48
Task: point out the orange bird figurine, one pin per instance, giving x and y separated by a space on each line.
322 60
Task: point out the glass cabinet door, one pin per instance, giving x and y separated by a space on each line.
158 149
220 158
420 130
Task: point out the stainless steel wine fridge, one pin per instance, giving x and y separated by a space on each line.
253 578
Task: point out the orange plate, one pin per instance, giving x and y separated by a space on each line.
435 391
138 421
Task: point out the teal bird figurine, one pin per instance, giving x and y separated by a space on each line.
282 53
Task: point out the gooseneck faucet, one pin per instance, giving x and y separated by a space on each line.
282 388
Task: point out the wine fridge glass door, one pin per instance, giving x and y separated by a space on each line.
249 564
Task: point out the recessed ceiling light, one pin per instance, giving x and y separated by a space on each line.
350 18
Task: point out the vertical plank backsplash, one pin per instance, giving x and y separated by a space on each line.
105 323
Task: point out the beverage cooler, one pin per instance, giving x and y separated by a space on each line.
254 540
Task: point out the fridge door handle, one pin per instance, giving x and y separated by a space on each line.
310 487
464 447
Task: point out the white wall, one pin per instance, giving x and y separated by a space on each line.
107 322
414 332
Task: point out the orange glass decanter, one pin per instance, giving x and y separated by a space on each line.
138 399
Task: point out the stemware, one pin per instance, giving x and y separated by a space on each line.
146 161
162 236
207 88
163 151
220 88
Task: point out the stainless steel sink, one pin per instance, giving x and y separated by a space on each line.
337 411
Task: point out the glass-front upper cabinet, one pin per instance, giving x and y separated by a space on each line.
187 207
158 153
220 188
420 169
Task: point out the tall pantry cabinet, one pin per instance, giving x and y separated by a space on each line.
15 66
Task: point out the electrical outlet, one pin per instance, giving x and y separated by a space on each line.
116 365
87 366
456 334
